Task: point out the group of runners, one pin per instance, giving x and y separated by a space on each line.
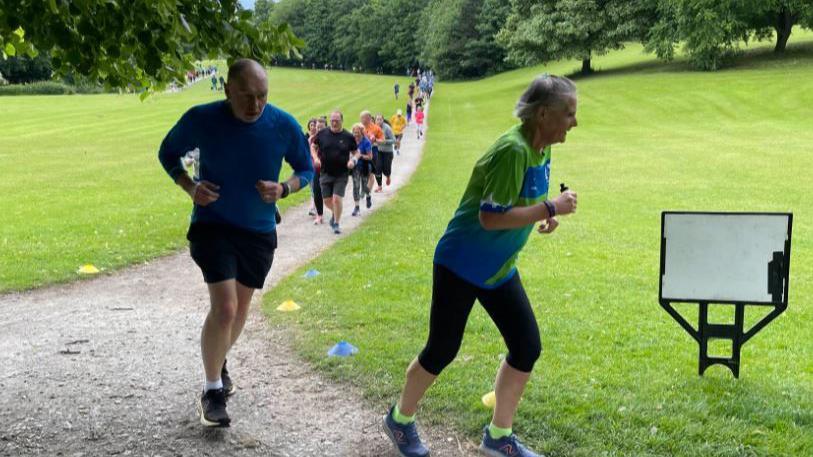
418 95
364 154
242 142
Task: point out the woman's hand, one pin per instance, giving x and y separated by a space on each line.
548 225
565 203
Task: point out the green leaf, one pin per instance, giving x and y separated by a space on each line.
122 43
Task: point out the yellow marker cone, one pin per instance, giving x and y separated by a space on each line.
288 305
88 269
490 400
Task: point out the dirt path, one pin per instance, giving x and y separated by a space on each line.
111 366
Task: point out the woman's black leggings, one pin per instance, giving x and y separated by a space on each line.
508 306
317 194
383 165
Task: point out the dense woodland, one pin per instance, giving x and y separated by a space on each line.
144 45
473 38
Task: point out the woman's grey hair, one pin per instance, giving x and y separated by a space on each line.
545 90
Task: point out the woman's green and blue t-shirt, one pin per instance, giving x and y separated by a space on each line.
510 174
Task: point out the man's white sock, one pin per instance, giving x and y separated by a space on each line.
212 385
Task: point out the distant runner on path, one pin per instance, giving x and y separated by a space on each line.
398 123
475 260
232 236
419 119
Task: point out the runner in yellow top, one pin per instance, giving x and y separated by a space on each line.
398 123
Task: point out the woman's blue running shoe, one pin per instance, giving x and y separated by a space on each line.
507 446
404 437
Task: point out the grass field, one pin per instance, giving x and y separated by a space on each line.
617 376
81 182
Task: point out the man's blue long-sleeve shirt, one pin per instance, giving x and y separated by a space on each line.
235 155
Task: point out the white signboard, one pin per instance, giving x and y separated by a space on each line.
724 257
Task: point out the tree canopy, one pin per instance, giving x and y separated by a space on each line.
459 37
711 31
542 31
137 44
145 44
24 69
373 35
455 38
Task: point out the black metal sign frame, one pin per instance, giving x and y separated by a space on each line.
778 285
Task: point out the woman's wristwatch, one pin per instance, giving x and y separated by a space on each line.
551 208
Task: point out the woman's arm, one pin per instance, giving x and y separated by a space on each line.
520 216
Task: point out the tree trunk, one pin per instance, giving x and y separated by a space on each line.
586 69
783 26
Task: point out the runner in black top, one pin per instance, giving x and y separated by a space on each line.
336 148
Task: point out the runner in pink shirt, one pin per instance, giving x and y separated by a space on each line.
419 115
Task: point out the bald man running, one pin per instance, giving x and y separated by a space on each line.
232 237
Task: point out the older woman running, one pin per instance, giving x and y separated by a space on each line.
386 150
364 165
475 259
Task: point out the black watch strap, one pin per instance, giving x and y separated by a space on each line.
550 207
286 190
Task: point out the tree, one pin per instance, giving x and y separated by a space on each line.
23 69
369 34
316 22
542 31
139 44
779 16
361 33
459 37
447 27
711 31
401 21
263 10
484 52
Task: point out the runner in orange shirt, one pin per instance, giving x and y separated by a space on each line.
376 136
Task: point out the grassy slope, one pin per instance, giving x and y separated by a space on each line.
82 184
617 376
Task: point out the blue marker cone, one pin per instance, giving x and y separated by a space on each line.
342 349
311 273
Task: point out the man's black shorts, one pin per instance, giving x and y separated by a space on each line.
225 252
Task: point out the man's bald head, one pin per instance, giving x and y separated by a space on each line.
247 89
246 69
